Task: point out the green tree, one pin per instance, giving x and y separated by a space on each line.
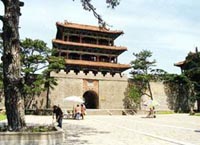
33 58
12 78
185 88
178 89
36 68
132 98
143 72
37 63
191 69
55 64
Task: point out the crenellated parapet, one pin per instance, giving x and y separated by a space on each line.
89 75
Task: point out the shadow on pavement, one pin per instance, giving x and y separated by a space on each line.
197 131
74 134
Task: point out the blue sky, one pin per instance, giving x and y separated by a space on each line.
168 28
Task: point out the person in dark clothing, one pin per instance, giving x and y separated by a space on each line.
59 115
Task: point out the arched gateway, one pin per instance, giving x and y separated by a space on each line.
91 100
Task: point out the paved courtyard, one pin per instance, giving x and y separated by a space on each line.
174 129
180 129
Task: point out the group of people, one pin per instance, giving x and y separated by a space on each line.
78 113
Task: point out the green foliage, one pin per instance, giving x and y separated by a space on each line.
178 90
55 64
191 69
40 128
112 3
34 54
179 79
35 129
87 5
2 116
158 74
135 94
164 112
131 101
197 114
37 63
142 67
142 73
142 64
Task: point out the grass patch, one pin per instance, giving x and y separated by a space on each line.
39 129
197 114
46 128
2 117
164 112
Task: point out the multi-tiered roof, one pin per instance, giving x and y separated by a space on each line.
89 48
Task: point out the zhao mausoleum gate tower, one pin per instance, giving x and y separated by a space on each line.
92 70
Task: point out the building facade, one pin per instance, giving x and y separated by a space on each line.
91 69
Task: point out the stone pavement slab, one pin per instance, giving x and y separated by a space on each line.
176 129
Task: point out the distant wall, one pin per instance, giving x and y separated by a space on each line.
159 94
111 93
110 90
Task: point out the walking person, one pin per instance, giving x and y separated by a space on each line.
59 115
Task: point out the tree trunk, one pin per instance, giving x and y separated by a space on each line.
192 109
149 89
198 105
47 86
12 80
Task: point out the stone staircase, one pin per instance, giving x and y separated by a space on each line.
109 111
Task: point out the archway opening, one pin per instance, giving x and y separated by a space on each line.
91 100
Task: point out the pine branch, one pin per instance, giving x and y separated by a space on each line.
21 4
112 3
147 94
88 6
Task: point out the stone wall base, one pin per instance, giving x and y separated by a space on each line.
30 138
